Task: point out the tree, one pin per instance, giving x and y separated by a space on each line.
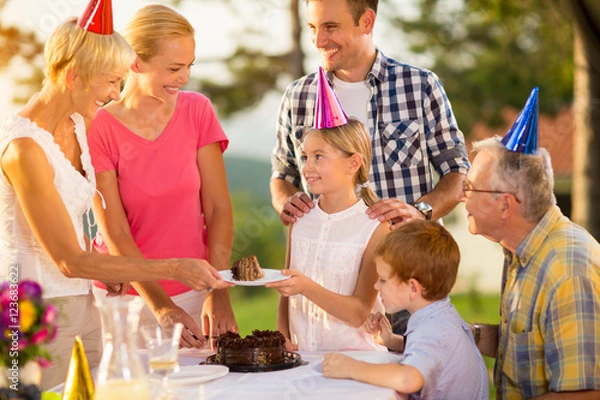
586 192
253 71
17 43
491 53
490 50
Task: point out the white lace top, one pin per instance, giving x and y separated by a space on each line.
19 248
328 248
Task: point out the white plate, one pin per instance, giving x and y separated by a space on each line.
271 275
195 374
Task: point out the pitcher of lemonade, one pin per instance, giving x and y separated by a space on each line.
121 374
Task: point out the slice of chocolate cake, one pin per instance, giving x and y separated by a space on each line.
247 269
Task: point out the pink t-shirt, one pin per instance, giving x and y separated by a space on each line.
159 180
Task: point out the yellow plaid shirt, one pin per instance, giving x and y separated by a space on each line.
550 312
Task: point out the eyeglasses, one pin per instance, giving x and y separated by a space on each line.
468 187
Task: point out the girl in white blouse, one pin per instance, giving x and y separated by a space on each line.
330 292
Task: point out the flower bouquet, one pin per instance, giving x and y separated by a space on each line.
27 322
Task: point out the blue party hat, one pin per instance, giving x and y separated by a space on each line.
522 137
328 110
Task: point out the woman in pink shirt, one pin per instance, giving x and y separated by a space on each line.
157 153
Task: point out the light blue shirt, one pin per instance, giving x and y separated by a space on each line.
441 346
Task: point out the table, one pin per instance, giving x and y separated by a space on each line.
302 382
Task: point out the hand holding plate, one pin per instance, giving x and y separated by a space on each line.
296 284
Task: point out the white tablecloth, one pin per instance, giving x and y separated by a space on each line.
302 382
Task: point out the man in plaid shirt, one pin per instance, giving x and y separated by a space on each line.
548 341
404 107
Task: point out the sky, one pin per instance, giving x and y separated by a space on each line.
251 132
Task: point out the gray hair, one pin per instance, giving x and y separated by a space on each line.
528 176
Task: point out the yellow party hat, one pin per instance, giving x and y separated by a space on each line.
79 384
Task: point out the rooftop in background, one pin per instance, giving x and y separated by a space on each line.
556 136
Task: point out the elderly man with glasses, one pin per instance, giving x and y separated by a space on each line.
548 341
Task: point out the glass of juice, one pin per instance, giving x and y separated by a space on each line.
162 343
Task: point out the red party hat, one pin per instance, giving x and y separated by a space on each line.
97 17
328 110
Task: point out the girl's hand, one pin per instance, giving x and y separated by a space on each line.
289 346
296 284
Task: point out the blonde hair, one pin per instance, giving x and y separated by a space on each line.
353 138
151 25
425 251
88 53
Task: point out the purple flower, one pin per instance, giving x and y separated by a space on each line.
36 319
5 319
30 288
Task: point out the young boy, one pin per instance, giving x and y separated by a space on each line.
417 266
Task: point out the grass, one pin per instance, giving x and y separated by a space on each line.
256 308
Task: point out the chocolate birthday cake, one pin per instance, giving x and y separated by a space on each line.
261 348
247 269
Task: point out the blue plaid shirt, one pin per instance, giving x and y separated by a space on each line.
411 123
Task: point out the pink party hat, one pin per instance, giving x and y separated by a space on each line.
97 17
522 137
328 110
